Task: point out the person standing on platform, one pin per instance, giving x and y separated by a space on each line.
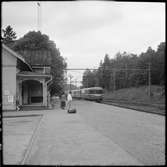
69 100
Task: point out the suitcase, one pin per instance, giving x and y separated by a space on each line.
72 110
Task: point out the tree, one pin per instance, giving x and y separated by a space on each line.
34 41
100 75
86 79
8 36
37 49
132 70
58 65
89 78
160 62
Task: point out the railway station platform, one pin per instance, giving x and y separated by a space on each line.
65 139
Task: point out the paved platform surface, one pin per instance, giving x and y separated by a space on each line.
17 133
62 139
65 139
141 134
98 134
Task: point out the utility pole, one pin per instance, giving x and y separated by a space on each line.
149 79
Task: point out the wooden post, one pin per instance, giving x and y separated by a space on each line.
44 87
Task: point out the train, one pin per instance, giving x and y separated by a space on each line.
91 93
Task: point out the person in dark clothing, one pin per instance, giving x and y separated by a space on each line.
63 101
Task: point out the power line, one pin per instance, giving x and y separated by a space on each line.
117 69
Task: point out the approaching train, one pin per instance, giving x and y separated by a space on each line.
92 93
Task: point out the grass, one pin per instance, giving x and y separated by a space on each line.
138 95
138 98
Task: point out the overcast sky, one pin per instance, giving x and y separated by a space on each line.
85 31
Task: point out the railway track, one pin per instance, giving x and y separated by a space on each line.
144 107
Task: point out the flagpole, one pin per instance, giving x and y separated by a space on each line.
38 16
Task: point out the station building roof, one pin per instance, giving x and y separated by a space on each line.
18 56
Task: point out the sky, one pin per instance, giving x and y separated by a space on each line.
84 31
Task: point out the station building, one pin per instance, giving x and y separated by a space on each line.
22 83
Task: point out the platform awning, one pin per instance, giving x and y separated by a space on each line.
29 74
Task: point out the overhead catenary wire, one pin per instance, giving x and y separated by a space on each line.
144 71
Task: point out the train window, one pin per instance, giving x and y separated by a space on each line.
95 91
92 91
99 91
